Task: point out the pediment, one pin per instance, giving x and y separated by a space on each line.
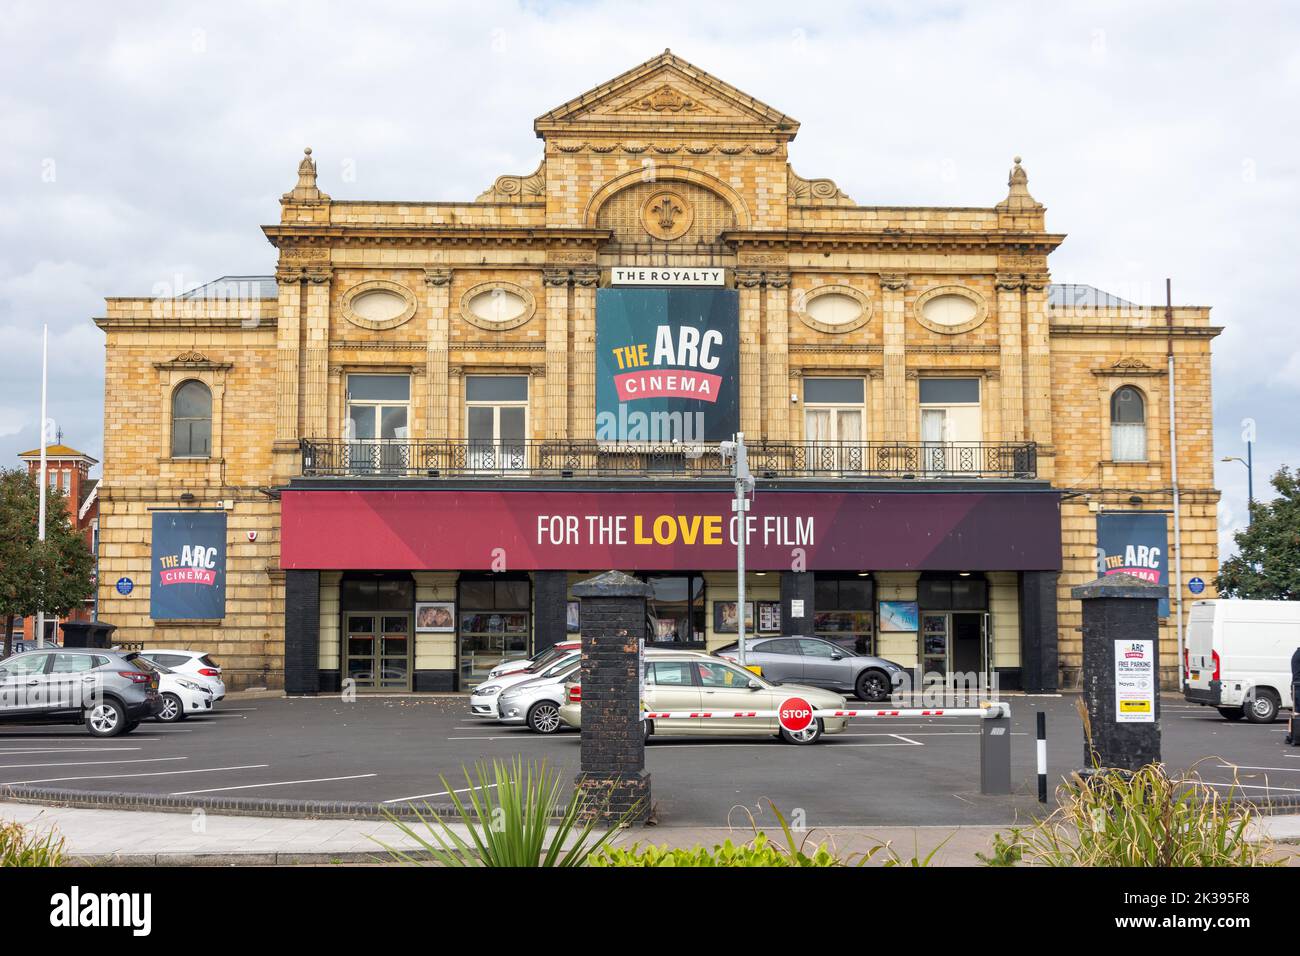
666 92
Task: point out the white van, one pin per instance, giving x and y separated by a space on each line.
1238 656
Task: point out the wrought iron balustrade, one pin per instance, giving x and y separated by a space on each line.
454 458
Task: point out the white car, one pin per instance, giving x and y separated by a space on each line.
483 701
196 665
1238 657
542 658
181 696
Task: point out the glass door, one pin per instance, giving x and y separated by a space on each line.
378 651
377 422
496 421
934 643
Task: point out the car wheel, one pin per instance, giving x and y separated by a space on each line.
1231 713
810 735
172 709
647 730
106 718
544 717
1262 709
873 685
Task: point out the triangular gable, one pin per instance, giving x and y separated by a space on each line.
666 91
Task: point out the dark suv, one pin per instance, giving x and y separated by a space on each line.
111 692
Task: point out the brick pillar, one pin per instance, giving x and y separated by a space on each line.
550 600
797 586
301 632
315 354
1039 666
613 776
287 344
582 381
750 284
894 331
438 407
555 420
1011 357
1121 629
1038 372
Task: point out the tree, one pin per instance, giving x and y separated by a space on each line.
1267 564
53 575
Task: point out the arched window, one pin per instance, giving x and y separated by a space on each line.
1128 425
191 420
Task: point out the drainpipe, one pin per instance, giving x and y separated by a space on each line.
1173 462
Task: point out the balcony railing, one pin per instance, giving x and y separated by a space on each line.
563 458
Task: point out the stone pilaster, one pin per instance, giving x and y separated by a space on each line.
750 284
315 354
1038 371
582 381
438 408
893 325
1011 355
776 367
288 331
555 421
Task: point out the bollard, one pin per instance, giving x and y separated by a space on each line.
995 751
1042 757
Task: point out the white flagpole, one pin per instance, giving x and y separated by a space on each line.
40 529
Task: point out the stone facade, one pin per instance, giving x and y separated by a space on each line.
275 353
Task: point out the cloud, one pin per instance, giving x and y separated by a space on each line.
149 142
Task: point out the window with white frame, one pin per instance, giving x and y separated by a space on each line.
834 409
378 421
1128 425
950 422
192 420
496 420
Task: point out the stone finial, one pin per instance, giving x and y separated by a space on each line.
306 190
1018 197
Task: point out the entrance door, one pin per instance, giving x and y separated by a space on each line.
378 651
968 643
934 643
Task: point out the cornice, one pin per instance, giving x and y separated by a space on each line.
291 235
1157 331
1028 243
128 322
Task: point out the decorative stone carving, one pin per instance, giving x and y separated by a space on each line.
666 99
1018 198
813 192
807 311
666 214
977 306
893 281
437 278
497 305
530 188
355 304
305 193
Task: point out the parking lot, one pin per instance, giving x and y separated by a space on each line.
393 749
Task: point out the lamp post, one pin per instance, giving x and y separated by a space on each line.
1249 462
740 505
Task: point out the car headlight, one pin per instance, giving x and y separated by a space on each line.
191 685
891 666
487 690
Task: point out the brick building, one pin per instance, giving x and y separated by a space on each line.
390 460
67 470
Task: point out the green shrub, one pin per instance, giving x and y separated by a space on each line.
19 848
1143 818
510 821
757 852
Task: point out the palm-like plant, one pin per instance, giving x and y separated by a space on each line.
510 820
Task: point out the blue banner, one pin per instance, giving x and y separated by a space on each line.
1135 543
189 566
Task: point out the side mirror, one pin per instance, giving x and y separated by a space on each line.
755 685
837 657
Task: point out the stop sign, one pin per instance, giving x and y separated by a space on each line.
795 714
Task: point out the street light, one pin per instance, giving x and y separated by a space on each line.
1248 461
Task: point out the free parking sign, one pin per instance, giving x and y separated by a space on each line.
795 714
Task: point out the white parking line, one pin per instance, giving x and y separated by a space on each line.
86 763
522 737
156 773
281 783
1233 766
440 793
906 740
1252 786
69 750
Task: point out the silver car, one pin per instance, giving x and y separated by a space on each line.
819 663
537 702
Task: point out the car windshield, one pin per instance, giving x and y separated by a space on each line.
545 659
156 666
207 661
560 667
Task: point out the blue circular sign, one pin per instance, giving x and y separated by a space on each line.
125 585
1196 585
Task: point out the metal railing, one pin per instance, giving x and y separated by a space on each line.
444 458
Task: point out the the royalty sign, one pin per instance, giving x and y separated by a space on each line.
667 365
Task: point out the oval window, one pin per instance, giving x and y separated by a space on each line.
950 310
497 305
378 305
834 308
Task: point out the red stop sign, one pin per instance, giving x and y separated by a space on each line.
795 714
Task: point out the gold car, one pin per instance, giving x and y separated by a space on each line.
699 683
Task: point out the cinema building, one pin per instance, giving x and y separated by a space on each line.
390 461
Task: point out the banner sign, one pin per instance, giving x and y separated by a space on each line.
1135 682
667 365
668 530
1135 543
189 566
642 275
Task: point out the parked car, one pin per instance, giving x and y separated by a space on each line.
818 663
483 700
1238 657
181 696
694 682
197 665
536 702
110 692
540 659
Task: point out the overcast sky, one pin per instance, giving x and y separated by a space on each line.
144 144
